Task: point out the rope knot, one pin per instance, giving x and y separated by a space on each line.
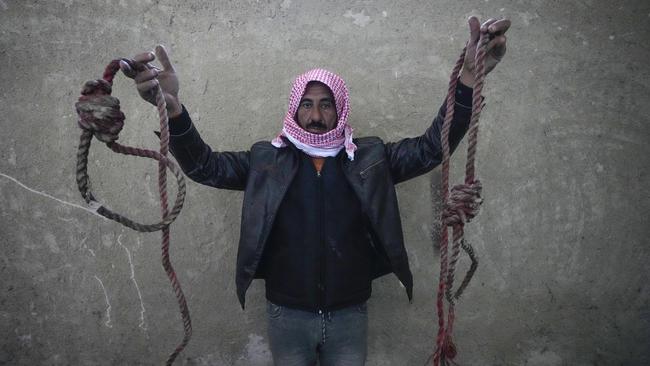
449 351
446 353
463 203
99 112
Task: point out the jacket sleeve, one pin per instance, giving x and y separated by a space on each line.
228 170
411 157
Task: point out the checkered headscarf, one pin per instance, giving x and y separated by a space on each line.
329 143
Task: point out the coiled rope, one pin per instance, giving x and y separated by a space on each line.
460 205
100 116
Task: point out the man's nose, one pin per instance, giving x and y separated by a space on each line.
316 115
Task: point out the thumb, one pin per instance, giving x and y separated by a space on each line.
474 29
161 54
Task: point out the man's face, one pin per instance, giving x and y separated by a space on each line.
317 111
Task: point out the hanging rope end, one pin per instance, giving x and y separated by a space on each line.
448 352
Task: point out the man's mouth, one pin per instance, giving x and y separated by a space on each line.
316 127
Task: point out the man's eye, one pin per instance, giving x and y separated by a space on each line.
326 106
305 105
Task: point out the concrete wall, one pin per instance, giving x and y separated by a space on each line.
563 155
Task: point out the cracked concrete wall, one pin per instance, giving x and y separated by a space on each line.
563 155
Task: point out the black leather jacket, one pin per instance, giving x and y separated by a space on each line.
265 172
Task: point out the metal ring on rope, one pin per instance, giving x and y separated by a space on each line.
100 116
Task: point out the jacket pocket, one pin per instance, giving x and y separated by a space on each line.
370 168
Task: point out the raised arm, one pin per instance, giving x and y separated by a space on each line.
411 157
228 170
200 163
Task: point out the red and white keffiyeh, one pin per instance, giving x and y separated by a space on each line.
329 143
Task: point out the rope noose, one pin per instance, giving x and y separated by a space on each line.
100 116
460 205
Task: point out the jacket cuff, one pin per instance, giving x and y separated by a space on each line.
180 124
464 95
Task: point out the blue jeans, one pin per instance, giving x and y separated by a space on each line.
300 338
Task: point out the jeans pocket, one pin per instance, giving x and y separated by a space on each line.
272 310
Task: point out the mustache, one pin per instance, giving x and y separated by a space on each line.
316 124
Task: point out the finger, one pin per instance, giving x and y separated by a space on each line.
474 27
497 47
153 67
486 24
147 85
161 52
146 76
496 42
144 57
126 69
140 61
499 27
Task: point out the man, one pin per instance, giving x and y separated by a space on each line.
320 219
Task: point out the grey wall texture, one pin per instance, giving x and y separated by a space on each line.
562 236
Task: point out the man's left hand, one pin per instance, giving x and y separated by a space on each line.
496 47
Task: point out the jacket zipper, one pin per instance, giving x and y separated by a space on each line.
321 284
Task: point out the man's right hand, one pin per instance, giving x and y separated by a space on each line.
147 78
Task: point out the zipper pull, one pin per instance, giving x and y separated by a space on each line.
318 173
